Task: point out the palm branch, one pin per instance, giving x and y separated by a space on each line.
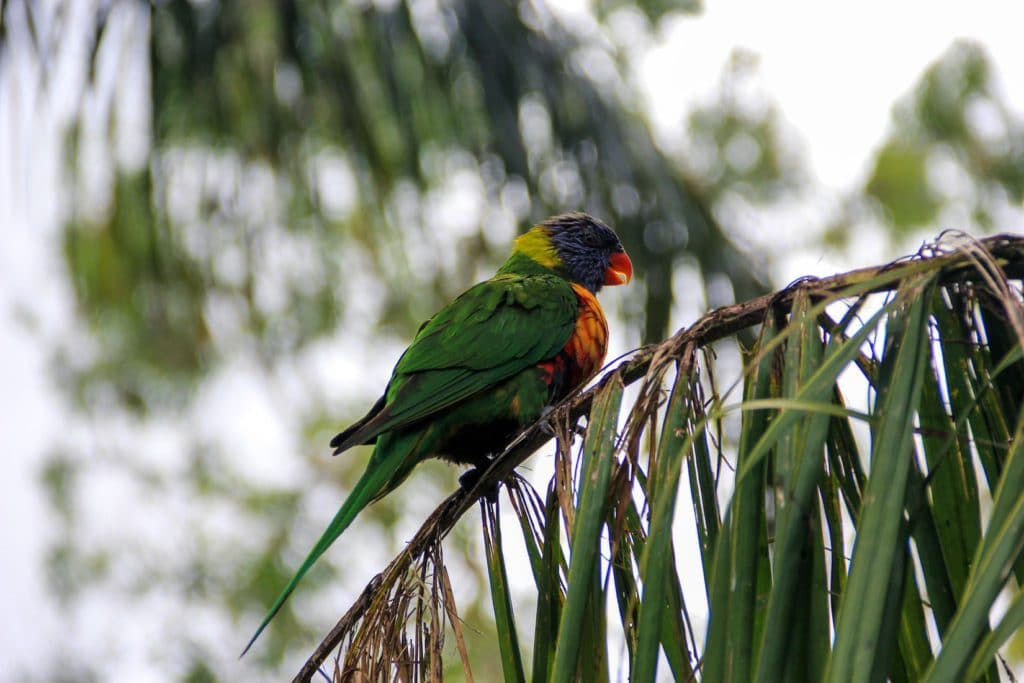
780 468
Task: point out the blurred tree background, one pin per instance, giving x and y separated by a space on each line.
263 200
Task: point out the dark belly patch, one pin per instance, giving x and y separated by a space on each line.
473 444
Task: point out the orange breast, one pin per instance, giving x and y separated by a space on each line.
583 354
588 344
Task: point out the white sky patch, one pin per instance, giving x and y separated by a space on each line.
335 183
835 70
35 303
454 209
238 410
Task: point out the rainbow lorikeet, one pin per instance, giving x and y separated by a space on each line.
487 364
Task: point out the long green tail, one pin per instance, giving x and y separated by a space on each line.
382 475
375 482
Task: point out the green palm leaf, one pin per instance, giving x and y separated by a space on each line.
935 345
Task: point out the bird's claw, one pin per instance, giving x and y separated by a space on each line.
548 427
545 423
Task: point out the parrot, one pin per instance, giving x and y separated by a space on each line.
488 364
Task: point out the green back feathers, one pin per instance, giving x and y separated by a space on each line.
495 330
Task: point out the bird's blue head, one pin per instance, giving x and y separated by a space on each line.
579 247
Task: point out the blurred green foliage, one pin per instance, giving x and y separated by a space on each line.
955 144
900 183
142 295
736 143
300 157
399 97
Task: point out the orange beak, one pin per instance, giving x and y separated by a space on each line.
620 269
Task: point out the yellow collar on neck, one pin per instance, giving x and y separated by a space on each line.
536 244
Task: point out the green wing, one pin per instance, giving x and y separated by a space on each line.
491 332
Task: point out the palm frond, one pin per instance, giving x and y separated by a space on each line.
937 342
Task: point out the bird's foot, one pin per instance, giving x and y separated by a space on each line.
469 479
548 427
